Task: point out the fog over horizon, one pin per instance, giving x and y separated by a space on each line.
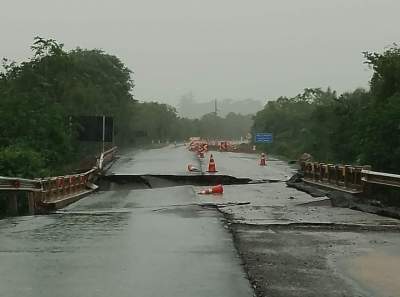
190 107
258 49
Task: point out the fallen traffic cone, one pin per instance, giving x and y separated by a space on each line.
218 189
191 168
262 160
211 165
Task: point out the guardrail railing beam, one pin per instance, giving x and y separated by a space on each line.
44 190
347 176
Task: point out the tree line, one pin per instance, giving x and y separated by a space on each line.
39 96
160 122
358 127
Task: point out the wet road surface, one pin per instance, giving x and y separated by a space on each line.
173 160
169 160
132 240
247 165
133 243
316 261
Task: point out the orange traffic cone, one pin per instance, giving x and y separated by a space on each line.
262 160
211 165
191 168
218 189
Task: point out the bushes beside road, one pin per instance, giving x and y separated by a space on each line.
38 96
359 127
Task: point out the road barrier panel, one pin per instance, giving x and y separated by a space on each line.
380 178
346 177
42 192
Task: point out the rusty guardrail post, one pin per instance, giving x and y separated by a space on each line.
355 177
305 170
320 174
44 189
364 184
346 172
303 167
13 204
336 175
329 173
313 171
31 203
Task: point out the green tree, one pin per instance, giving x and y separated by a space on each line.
38 96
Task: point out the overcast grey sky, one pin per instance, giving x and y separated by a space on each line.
215 48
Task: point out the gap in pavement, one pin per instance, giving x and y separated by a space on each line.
132 182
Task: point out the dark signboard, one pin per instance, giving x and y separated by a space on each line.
90 128
140 133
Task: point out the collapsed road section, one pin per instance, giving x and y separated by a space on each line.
150 181
291 243
152 233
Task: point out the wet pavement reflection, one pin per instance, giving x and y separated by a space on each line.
154 242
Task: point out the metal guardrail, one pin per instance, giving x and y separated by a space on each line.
341 176
380 178
22 184
346 177
54 188
46 190
106 157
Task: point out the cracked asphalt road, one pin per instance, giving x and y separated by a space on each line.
170 241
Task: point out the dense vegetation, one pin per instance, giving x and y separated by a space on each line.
160 122
38 97
359 127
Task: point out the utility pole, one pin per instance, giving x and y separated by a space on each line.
215 115
104 133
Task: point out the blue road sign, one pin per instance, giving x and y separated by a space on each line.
263 138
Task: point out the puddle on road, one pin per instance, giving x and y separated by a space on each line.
377 270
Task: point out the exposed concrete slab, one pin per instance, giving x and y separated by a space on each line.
161 242
278 204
